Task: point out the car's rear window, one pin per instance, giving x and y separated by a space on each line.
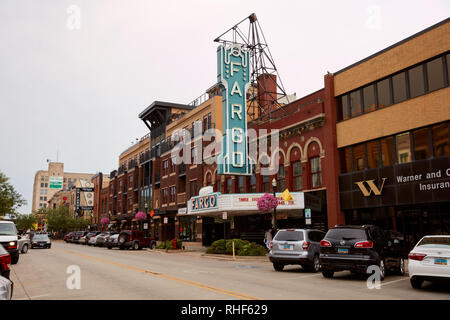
289 236
346 234
40 237
8 229
436 242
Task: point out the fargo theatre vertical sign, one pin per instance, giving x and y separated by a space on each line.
233 77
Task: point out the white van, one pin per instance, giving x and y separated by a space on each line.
9 239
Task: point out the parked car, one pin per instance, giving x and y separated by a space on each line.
113 241
355 248
78 235
6 288
68 237
89 235
429 260
102 237
41 241
135 239
24 243
5 261
9 239
296 246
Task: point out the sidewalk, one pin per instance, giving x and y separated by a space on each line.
202 254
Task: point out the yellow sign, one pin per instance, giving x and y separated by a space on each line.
35 226
373 188
286 195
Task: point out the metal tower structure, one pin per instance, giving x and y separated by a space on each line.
267 93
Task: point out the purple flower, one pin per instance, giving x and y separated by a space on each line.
104 221
267 202
141 216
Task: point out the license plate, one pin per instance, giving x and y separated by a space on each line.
442 262
344 251
287 247
41 244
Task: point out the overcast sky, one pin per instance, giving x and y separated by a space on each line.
78 87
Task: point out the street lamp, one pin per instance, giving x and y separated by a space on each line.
274 185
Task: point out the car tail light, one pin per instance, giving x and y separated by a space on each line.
417 256
5 260
12 245
271 245
364 244
325 243
306 245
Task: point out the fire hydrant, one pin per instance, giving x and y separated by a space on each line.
174 242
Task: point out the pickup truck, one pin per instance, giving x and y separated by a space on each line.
135 239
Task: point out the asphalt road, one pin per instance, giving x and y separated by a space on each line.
144 274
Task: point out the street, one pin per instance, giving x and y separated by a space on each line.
156 275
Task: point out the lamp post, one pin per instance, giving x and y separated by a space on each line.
274 185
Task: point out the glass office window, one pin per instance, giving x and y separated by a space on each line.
344 107
399 87
346 159
421 144
358 157
435 73
403 148
441 145
355 103
373 160
416 81
369 98
387 151
384 93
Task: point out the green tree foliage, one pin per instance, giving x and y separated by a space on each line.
25 221
241 248
10 199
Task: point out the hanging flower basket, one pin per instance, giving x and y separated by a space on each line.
267 202
104 221
140 216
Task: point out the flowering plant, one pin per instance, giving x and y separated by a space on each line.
104 221
267 202
141 216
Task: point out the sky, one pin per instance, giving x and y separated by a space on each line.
74 75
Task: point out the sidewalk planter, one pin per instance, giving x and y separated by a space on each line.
241 247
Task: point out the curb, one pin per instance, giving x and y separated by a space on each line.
237 258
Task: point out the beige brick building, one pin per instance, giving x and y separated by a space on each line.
48 182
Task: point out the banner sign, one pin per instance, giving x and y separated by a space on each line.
204 202
233 77
55 182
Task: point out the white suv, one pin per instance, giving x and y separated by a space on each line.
9 239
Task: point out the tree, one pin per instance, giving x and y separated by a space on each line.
10 199
59 219
25 221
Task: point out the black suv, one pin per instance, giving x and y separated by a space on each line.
355 248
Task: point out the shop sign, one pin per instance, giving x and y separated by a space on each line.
204 202
372 187
182 210
145 226
55 182
308 221
166 220
234 79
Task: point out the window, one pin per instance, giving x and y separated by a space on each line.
194 155
346 160
355 103
358 157
373 160
316 172
421 144
416 81
42 184
281 177
45 198
241 184
387 151
165 196
193 188
253 182
441 145
399 87
46 185
297 176
166 167
435 73
229 185
384 93
219 184
369 98
172 166
344 107
403 148
173 194
41 198
266 184
205 123
209 120
42 178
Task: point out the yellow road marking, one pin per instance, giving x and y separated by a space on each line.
164 276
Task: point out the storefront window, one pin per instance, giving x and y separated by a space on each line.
188 228
399 87
281 178
441 145
416 81
297 176
384 93
403 148
435 72
355 103
373 160
421 144
344 107
369 98
358 157
387 151
316 172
